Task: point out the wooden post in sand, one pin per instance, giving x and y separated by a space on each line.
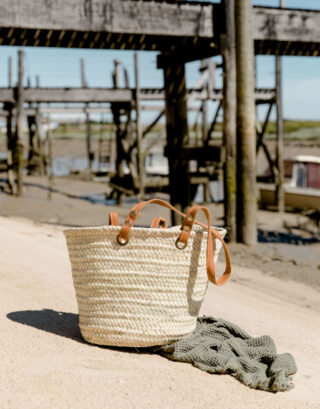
41 157
280 199
50 160
138 128
228 43
18 140
177 134
84 84
204 125
246 133
10 148
117 122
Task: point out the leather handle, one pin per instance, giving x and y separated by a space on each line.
113 219
186 227
157 222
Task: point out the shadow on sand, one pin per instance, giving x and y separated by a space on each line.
65 324
287 238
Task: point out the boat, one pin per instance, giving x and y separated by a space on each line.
303 190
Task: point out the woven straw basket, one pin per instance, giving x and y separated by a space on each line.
144 288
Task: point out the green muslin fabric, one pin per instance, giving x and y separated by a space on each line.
220 347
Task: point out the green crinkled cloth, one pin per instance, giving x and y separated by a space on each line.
218 346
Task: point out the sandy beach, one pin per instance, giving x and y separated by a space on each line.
46 364
274 290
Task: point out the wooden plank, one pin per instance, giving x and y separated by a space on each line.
77 95
112 95
286 25
129 17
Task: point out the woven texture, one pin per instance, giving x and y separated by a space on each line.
145 293
218 346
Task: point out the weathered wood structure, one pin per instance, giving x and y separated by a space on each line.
127 146
181 32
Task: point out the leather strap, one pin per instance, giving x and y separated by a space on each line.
159 222
113 219
186 227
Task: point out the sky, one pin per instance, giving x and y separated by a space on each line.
61 67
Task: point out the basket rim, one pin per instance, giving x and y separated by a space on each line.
169 230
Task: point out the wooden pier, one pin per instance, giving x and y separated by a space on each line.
181 32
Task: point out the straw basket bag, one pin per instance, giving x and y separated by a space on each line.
138 287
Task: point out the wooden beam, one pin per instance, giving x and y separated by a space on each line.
100 95
213 123
228 44
246 134
153 123
109 16
193 29
286 25
261 132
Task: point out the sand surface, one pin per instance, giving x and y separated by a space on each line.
46 364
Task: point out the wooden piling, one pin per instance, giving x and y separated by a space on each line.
138 128
246 133
10 141
50 161
19 134
84 84
204 125
10 149
41 158
279 154
10 72
117 122
211 80
31 148
177 135
228 44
